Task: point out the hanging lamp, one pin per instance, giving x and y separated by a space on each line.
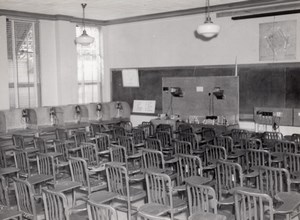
208 29
84 39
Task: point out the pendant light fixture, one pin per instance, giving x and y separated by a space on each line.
84 39
208 29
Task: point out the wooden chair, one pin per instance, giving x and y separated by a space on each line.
201 198
127 142
161 200
153 143
117 131
89 152
292 164
208 135
118 182
118 154
154 160
98 211
183 147
6 212
269 138
41 145
61 134
79 173
166 128
212 155
22 163
138 137
189 165
250 204
185 128
148 129
229 176
19 142
198 146
25 200
238 135
233 154
56 206
127 125
254 159
166 143
103 143
295 138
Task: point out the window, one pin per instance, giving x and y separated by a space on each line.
22 48
89 67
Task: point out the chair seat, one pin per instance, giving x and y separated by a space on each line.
135 194
39 178
8 213
229 200
136 177
154 209
179 205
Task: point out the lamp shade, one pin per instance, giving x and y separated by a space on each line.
208 29
84 39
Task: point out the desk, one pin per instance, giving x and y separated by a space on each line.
158 121
219 129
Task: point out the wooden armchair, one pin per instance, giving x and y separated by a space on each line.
98 211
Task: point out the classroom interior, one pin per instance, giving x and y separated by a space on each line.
215 120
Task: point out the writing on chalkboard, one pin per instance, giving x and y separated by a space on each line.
144 106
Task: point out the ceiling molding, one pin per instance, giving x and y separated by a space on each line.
272 10
223 10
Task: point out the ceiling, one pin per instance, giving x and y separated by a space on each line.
107 10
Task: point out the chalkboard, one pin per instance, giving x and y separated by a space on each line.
262 85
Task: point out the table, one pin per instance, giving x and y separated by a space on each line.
158 121
219 129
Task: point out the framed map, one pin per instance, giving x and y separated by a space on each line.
277 40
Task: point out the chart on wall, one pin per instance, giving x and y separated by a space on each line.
277 40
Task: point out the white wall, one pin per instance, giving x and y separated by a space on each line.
172 42
4 75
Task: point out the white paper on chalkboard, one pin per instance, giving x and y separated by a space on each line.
144 106
130 78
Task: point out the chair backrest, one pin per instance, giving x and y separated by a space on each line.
95 128
138 136
153 143
4 199
239 134
127 125
79 172
127 142
165 138
229 175
62 147
61 134
256 158
208 134
252 205
56 205
270 137
148 129
40 144
224 141
118 154
292 162
159 189
185 128
274 180
46 165
18 140
191 138
214 153
90 153
252 143
80 137
189 165
22 161
117 179
24 196
285 146
165 127
295 138
183 147
117 131
102 141
153 159
98 211
201 198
